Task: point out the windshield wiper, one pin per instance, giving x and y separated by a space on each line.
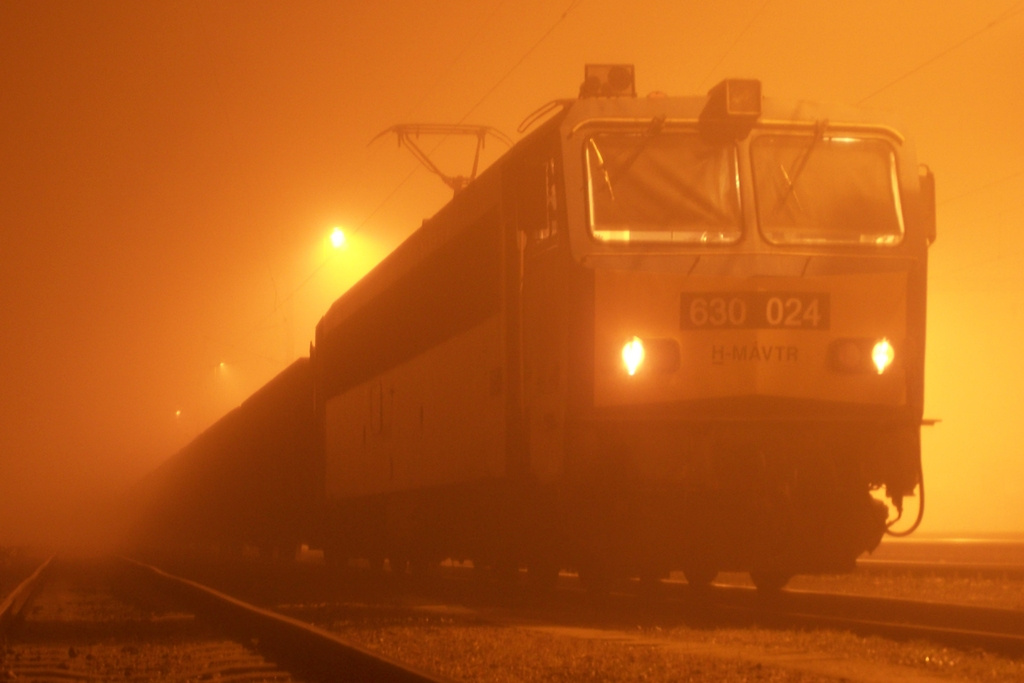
621 168
653 129
801 164
604 168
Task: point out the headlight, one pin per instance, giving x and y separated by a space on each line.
860 355
651 356
633 355
882 355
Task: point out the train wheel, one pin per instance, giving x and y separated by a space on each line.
769 580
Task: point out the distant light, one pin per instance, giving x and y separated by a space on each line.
337 238
177 413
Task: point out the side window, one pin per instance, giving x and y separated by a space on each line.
533 186
551 225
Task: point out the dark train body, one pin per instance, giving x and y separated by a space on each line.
249 483
659 333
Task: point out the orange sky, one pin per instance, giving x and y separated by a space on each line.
170 171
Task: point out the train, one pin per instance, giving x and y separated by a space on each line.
658 334
248 484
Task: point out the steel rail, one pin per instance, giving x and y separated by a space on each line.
301 647
1006 569
990 628
993 629
17 601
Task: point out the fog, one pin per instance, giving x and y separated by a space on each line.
171 171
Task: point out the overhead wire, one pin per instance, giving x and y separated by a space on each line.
983 188
732 46
280 302
572 5
440 75
1003 255
1005 16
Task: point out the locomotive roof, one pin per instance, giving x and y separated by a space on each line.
573 115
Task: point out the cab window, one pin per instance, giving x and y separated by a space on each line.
820 189
665 186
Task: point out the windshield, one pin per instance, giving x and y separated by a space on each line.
659 186
818 189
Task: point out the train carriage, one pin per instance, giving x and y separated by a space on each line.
659 333
250 483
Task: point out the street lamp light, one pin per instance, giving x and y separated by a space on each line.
337 238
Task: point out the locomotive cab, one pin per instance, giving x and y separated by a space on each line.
747 346
659 333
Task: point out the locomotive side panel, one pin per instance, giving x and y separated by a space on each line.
413 389
436 420
540 305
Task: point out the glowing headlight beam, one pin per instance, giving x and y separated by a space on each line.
633 355
882 355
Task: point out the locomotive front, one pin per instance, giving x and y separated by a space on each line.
752 284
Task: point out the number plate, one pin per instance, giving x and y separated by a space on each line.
754 310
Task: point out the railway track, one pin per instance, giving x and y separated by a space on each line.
996 630
962 626
993 629
117 620
965 626
459 618
405 615
13 606
971 569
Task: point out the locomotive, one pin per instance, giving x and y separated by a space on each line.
657 334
